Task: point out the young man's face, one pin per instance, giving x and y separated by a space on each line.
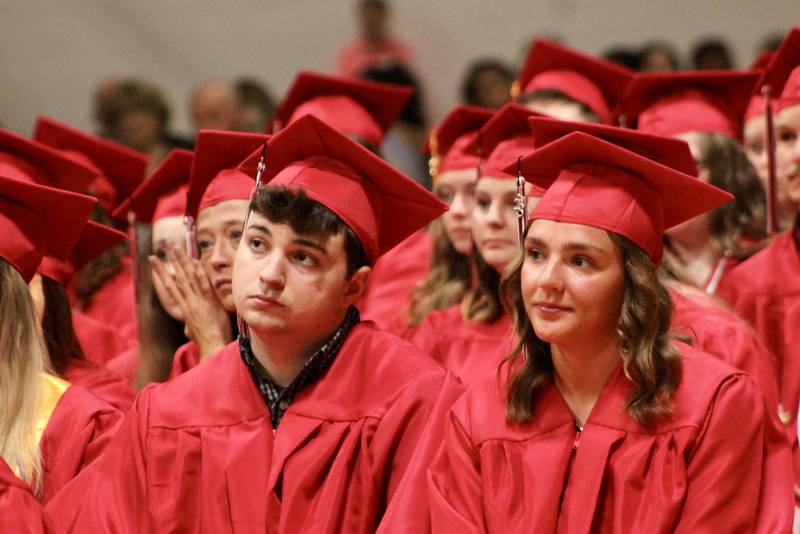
288 284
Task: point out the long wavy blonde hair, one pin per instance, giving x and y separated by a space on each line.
23 359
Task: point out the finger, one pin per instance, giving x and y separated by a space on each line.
183 277
167 280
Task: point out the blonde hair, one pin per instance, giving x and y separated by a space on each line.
22 361
482 302
448 278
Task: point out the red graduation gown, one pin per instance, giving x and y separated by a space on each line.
468 349
98 340
77 431
765 290
723 334
395 274
186 357
198 453
114 304
126 365
719 464
100 382
19 509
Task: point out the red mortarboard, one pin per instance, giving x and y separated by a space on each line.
755 108
449 141
31 160
119 170
93 241
35 219
596 183
359 108
163 194
672 103
669 151
504 138
379 203
214 176
595 82
782 73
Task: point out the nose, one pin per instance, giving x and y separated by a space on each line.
273 272
222 255
551 277
495 216
460 206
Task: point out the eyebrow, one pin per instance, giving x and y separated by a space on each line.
299 241
534 241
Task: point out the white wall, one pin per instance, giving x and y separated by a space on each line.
53 53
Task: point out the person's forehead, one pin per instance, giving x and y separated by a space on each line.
789 117
563 232
222 214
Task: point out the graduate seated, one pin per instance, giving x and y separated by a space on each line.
308 422
50 430
600 422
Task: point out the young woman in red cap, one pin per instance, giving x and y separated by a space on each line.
49 429
472 337
217 200
600 422
157 207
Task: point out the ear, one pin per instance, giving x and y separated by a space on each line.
356 285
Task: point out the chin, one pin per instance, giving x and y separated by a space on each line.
463 247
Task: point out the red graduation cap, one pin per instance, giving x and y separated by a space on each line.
163 193
93 241
595 82
214 176
669 151
118 169
757 105
596 183
672 103
379 203
504 138
31 160
782 73
36 220
360 108
449 142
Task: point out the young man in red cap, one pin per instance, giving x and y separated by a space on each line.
606 424
765 289
570 85
307 423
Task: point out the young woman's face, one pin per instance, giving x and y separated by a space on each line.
219 229
167 233
457 189
755 145
787 158
494 222
572 283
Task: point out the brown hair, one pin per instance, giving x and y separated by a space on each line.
448 278
729 169
101 269
158 333
650 360
22 362
482 302
57 328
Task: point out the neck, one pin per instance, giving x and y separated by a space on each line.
284 356
581 373
695 249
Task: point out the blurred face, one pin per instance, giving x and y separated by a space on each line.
493 89
572 283
215 108
251 119
289 284
697 229
37 295
787 158
657 61
560 109
167 233
457 189
139 130
219 229
755 145
494 223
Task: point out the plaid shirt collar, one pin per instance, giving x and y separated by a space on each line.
278 398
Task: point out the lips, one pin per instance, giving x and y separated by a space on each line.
550 308
266 301
495 243
223 283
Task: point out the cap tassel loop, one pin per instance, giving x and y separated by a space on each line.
521 210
